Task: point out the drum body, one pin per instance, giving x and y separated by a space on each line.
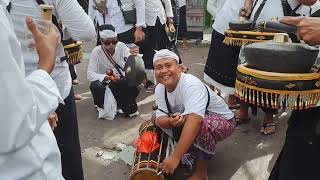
295 91
147 165
74 52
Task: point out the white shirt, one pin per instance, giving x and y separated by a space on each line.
96 16
305 10
229 12
214 6
190 96
155 9
99 63
28 148
182 3
116 16
271 9
74 19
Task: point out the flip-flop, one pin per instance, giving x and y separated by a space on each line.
241 120
266 125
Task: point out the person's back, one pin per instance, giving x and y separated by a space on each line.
84 31
78 26
28 149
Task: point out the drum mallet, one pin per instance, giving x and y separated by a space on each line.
155 107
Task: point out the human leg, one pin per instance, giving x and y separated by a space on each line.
67 136
201 170
98 89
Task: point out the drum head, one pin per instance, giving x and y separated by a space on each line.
146 174
134 69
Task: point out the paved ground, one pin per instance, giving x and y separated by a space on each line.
246 155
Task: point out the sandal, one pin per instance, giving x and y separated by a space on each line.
241 120
265 126
149 85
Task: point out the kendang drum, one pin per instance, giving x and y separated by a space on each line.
151 151
73 52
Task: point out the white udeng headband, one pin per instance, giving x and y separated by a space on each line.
107 34
164 53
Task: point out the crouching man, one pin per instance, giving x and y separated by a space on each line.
106 72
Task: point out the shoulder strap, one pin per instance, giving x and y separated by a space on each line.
113 62
9 7
258 12
168 104
287 10
120 5
208 102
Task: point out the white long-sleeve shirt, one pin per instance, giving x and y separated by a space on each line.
213 7
28 149
99 63
73 18
155 9
115 15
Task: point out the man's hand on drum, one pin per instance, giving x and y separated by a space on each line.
308 28
53 120
46 44
169 165
177 119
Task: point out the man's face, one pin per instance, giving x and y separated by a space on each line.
167 72
109 44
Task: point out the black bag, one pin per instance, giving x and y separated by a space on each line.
129 16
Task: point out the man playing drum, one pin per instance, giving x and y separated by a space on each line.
204 117
110 56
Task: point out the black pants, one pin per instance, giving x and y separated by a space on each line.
127 37
72 72
67 136
125 95
182 30
300 155
156 39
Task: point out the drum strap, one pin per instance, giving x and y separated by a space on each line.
168 104
113 62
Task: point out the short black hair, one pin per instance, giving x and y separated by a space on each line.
107 27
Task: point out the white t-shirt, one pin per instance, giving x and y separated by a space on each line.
190 96
229 12
272 8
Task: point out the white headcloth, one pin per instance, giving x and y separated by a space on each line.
107 33
165 53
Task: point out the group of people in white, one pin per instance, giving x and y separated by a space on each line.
39 131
